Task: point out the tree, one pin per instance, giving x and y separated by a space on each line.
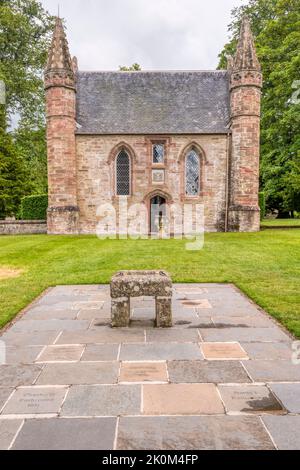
13 176
25 34
132 68
276 26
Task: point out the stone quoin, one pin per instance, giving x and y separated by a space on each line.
155 138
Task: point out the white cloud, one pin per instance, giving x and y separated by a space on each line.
158 34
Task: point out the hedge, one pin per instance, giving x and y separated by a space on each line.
262 205
34 207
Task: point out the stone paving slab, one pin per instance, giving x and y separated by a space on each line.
16 375
29 339
8 430
249 399
80 373
61 353
193 432
103 400
181 399
101 352
231 365
143 372
173 335
49 325
207 371
223 351
102 335
275 371
285 431
66 434
267 335
268 351
93 314
242 322
22 355
5 393
42 313
288 394
35 400
160 351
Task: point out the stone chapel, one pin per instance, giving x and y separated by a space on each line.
155 138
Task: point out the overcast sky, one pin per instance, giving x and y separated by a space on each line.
158 34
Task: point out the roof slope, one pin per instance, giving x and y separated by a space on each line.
153 102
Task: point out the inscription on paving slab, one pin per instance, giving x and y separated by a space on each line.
35 400
143 372
223 351
249 399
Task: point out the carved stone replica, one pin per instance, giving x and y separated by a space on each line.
126 284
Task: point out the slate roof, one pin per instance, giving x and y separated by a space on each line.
153 102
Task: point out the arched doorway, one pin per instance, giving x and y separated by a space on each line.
158 214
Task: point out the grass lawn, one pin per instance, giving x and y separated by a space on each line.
266 266
281 223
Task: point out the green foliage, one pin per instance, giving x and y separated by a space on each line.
34 207
13 176
132 68
25 33
262 205
276 26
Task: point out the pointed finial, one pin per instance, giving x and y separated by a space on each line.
245 57
59 58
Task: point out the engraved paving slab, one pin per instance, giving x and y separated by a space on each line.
222 377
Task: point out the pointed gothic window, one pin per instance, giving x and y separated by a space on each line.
123 174
192 173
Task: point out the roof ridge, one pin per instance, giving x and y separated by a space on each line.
152 71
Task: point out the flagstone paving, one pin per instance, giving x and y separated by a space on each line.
222 378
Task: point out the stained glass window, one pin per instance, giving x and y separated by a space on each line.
123 174
192 173
158 153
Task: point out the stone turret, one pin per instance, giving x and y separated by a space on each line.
60 86
245 97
